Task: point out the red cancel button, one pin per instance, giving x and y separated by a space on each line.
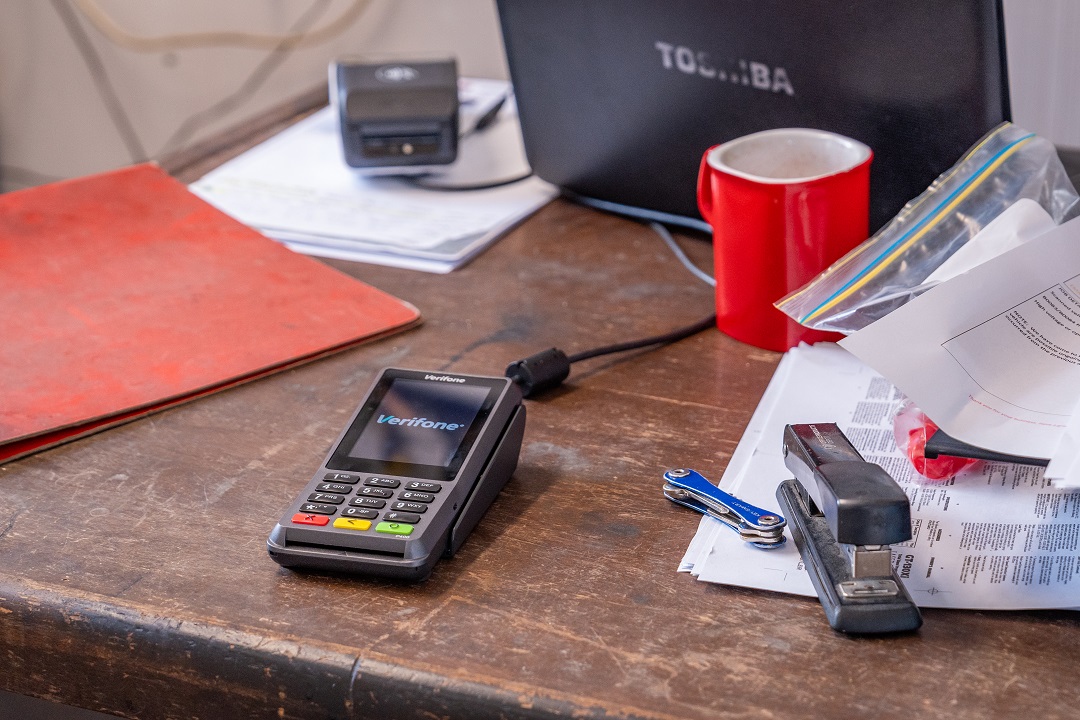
309 519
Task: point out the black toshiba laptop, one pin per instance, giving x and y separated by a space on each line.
619 99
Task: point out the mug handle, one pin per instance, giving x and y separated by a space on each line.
704 189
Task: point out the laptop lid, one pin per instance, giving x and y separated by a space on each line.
619 99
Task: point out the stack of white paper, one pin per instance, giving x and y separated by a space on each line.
996 537
297 188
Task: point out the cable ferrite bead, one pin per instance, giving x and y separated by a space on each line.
540 372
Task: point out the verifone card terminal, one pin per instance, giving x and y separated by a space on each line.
413 472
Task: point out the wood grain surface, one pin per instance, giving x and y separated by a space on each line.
134 578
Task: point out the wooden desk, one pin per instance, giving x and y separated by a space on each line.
134 577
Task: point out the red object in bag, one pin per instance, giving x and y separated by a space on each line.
939 468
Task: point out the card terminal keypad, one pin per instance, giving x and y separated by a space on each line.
367 496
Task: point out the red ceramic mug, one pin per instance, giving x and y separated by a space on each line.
783 205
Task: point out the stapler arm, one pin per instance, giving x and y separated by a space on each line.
844 513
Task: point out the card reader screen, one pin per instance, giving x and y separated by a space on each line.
416 427
420 422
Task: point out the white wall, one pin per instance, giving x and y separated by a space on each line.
1041 37
54 122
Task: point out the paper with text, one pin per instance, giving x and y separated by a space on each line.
1064 468
996 537
993 355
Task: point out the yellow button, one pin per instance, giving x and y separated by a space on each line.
352 524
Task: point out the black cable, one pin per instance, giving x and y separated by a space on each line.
666 338
487 119
547 369
105 89
417 181
255 80
482 123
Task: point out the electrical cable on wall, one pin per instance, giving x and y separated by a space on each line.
184 41
254 81
281 47
113 106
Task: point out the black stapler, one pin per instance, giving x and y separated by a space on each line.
844 513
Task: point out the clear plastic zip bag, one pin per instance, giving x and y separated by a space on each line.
892 267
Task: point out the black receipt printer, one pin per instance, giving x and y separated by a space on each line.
398 114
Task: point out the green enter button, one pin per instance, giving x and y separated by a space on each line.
393 528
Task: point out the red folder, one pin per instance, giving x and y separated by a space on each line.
123 294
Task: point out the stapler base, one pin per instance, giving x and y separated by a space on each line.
852 605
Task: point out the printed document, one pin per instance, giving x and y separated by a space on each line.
995 537
992 355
